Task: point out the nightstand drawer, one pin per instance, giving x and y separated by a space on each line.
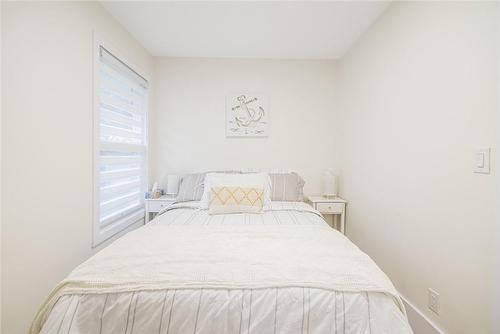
330 207
156 206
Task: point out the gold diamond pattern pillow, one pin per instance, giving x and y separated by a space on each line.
236 200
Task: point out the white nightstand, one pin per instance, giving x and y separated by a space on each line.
330 206
155 205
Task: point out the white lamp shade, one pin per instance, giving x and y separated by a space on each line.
330 184
173 184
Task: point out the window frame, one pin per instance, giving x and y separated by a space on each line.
100 235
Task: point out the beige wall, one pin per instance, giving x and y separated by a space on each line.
496 278
417 95
1 224
47 145
188 119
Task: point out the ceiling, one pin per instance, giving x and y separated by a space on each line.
247 29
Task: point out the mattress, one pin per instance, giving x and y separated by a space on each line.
275 304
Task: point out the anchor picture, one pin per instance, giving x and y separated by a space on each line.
246 115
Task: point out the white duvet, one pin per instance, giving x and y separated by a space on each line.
284 271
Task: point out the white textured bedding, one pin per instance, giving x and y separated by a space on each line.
284 271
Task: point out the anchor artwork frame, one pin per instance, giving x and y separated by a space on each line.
247 115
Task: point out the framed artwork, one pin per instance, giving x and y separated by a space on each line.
246 115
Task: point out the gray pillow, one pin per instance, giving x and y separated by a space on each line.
287 187
191 187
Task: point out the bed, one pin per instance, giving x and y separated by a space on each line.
282 271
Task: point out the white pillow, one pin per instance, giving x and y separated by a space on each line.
250 180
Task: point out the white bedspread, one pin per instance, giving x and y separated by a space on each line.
189 251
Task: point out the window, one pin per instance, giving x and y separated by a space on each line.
120 144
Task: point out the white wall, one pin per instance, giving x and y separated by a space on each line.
47 145
496 277
188 119
417 94
1 108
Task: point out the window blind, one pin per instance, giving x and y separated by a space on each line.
122 148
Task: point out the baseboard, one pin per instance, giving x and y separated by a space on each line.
419 322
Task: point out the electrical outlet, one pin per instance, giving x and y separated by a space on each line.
433 301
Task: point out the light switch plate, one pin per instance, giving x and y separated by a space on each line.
482 160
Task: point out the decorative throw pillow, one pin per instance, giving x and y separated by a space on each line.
287 187
236 200
252 180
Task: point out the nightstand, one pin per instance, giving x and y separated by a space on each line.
155 205
330 206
